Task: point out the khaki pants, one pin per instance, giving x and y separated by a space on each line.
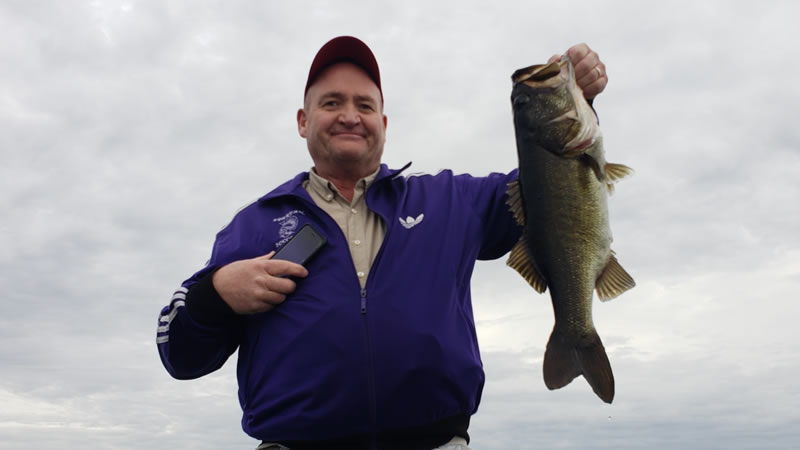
457 443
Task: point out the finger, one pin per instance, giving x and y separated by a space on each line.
577 52
278 285
263 307
586 65
595 88
271 299
267 256
280 268
553 59
597 72
269 288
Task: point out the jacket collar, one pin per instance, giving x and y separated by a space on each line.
295 185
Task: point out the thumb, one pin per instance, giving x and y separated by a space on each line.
267 256
553 59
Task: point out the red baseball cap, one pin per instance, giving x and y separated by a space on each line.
345 49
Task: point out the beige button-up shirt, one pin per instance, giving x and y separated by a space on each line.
363 229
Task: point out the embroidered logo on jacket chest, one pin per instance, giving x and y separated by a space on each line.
410 222
288 225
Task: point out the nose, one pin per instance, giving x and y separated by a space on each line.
349 116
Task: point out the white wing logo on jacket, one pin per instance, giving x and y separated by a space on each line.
410 222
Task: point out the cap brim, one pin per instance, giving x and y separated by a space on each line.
345 49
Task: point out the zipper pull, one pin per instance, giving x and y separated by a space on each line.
363 300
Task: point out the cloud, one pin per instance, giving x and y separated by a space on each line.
134 130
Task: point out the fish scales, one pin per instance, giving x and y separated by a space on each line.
561 200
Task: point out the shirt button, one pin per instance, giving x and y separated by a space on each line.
357 242
354 211
360 274
329 196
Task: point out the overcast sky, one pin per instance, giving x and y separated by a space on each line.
132 131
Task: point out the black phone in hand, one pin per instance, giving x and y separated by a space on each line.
302 246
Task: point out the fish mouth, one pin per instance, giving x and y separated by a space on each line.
575 128
544 75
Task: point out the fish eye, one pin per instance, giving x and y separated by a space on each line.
520 100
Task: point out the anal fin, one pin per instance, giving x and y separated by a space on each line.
613 281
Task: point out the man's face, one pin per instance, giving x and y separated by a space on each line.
343 122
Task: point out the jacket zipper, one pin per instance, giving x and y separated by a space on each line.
373 419
363 299
370 372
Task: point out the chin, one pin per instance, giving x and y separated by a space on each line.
350 152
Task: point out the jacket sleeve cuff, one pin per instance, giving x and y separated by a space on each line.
206 306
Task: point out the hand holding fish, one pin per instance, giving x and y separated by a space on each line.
590 72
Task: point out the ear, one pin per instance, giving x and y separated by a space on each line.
301 122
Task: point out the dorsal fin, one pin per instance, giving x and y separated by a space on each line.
515 203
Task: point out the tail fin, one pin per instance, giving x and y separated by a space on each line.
565 359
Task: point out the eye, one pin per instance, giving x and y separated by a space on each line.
366 107
330 103
520 100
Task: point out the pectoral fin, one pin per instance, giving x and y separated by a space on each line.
615 172
613 281
521 261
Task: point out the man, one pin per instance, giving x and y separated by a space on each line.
372 345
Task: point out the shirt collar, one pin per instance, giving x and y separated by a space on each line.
295 185
328 191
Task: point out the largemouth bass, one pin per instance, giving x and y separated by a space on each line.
561 200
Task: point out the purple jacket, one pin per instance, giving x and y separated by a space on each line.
337 360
